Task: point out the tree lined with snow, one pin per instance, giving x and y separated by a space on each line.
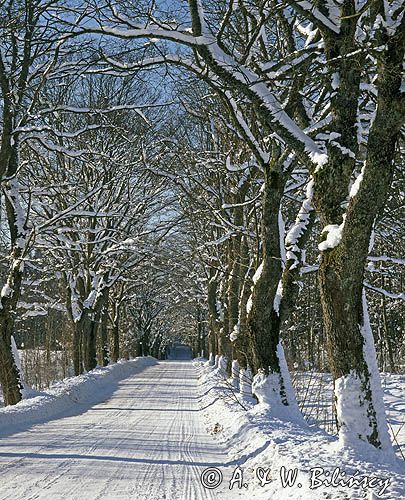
362 46
33 51
204 209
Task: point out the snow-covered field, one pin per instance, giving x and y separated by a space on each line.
266 448
41 369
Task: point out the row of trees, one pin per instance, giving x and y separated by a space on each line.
82 220
275 162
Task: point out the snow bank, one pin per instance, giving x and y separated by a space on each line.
69 396
269 449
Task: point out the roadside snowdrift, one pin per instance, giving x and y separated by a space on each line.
263 445
70 396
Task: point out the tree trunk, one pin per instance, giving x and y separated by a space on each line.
77 347
213 313
350 346
90 325
296 240
387 336
9 375
224 342
234 278
105 354
351 349
263 318
115 353
242 347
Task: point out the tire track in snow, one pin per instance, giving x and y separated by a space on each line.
147 441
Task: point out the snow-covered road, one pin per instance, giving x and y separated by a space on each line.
147 441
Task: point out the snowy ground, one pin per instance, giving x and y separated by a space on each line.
145 441
263 446
70 395
315 394
314 391
149 430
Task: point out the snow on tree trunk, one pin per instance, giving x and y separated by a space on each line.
222 366
213 313
359 397
347 235
77 347
237 256
105 351
350 346
288 389
245 383
240 334
17 361
267 388
9 373
273 390
235 375
116 347
211 359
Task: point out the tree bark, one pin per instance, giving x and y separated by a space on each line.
77 348
242 344
341 273
90 327
9 375
115 353
105 354
224 342
263 319
213 313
